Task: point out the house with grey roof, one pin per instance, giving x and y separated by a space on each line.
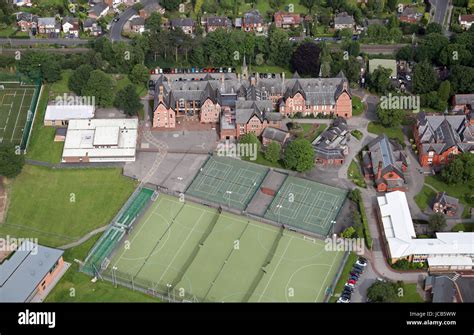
385 163
463 103
26 21
48 26
439 138
445 204
187 25
330 147
213 23
253 21
271 134
29 271
91 27
98 10
259 101
344 21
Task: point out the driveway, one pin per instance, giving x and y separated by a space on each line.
117 27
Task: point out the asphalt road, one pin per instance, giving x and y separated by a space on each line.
440 7
117 27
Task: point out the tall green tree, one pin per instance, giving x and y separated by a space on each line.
79 78
382 292
11 162
128 100
273 152
101 86
154 22
280 47
437 222
139 74
425 78
379 80
389 117
306 59
299 155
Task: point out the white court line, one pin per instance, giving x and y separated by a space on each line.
179 249
18 115
275 270
325 278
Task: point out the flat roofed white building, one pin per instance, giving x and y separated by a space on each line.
101 140
59 115
448 251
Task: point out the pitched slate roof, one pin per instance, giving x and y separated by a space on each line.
343 18
445 199
274 134
440 132
217 21
389 155
98 8
186 22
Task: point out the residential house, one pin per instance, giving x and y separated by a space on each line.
253 22
439 138
386 164
286 20
247 104
447 251
344 21
48 26
271 134
26 21
330 147
466 21
71 27
91 26
187 25
410 14
135 25
152 8
371 22
463 104
445 204
98 10
32 270
214 22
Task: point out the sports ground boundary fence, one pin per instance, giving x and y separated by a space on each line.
92 266
23 80
337 276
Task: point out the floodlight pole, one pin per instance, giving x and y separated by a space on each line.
229 193
114 276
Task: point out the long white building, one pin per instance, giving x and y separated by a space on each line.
448 251
100 140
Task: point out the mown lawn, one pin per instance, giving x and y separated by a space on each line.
357 106
311 132
344 275
58 206
61 86
424 198
354 175
409 294
393 133
42 146
84 289
462 191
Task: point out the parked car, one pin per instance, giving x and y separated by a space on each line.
343 300
361 262
351 281
354 278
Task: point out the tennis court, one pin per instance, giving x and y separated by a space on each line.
193 252
227 181
306 205
15 110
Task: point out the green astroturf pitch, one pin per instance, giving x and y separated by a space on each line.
15 102
227 181
193 252
306 205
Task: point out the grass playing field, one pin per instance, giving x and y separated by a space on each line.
15 103
306 205
193 252
60 206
